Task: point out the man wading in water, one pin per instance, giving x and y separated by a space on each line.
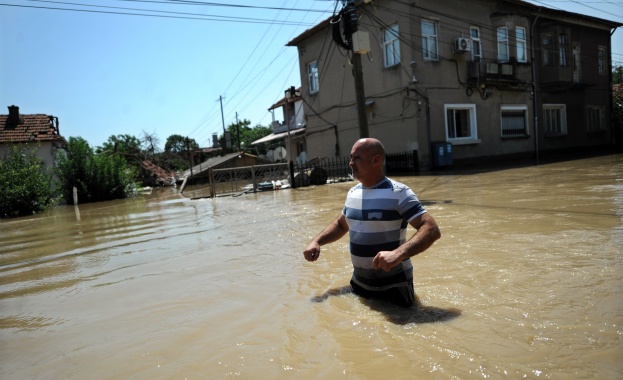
376 214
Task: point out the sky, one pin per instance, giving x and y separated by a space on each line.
164 67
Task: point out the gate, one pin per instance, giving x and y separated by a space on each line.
246 178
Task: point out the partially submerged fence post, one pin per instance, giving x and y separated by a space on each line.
292 182
211 182
253 179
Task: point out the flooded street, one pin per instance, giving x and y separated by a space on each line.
162 286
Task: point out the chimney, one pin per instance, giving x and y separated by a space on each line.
13 115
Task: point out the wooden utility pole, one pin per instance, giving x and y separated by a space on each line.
360 93
238 131
224 147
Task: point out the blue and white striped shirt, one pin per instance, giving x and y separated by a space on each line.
377 219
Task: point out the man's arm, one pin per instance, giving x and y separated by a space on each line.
334 231
427 233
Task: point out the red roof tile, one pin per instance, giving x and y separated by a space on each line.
29 128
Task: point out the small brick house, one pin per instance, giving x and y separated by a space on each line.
38 131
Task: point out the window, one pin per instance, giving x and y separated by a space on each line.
312 77
547 49
391 46
601 60
429 40
514 120
555 119
503 44
474 34
595 122
460 122
563 45
522 47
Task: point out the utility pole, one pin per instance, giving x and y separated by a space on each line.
360 94
238 131
224 146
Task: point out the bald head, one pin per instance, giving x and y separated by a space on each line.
366 161
372 147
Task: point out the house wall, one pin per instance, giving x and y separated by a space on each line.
46 151
406 116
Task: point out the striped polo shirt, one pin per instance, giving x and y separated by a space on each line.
377 219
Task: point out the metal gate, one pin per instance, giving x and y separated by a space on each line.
247 178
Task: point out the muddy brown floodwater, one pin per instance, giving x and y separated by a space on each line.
162 286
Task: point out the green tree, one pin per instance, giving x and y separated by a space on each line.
617 74
617 104
96 177
125 145
179 143
247 134
26 187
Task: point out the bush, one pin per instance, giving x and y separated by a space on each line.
25 185
96 177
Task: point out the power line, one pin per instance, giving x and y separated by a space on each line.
152 13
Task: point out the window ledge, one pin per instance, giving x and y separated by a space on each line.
464 142
556 135
518 137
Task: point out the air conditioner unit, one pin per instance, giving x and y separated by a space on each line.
462 45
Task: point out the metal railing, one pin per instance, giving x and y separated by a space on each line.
318 171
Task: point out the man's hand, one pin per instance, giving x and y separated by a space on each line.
312 252
386 260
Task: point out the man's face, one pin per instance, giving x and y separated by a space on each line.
360 162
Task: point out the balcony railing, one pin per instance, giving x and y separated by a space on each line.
491 71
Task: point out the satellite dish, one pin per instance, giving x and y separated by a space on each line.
270 155
279 154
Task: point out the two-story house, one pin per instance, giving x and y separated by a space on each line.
489 78
287 142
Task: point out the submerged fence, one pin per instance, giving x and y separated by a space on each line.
318 171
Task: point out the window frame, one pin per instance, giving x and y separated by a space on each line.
563 50
502 44
522 45
590 120
427 53
561 130
312 77
602 60
473 127
476 53
391 41
547 49
514 108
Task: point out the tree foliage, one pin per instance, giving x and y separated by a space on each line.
96 177
617 75
179 143
247 135
25 185
125 145
617 99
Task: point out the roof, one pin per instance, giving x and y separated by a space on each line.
283 101
28 129
278 136
535 10
215 162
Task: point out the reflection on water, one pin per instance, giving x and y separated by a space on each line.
162 286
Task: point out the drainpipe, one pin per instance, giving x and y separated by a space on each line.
533 84
613 126
430 143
